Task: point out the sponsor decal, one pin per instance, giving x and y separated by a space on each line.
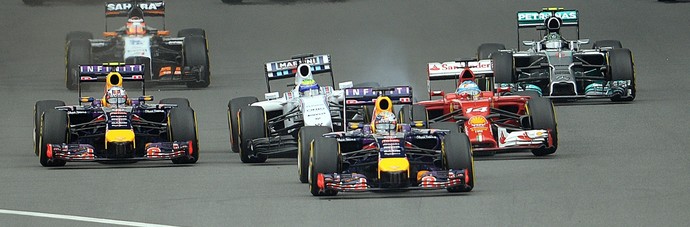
126 6
478 123
531 16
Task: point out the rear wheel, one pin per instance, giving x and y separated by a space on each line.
191 32
39 108
196 55
504 68
180 102
324 158
183 128
367 84
78 53
543 116
252 125
78 35
622 68
614 44
234 106
53 130
306 135
457 155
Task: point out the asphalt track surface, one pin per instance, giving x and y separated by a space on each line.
617 165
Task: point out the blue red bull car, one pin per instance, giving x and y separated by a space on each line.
115 128
383 152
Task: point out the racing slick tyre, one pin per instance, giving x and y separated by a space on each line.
457 155
410 114
453 127
78 35
195 54
543 116
192 32
485 50
234 106
53 130
183 127
180 102
39 108
614 44
306 135
324 157
504 68
251 125
621 67
78 53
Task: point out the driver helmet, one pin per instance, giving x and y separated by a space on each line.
553 41
385 123
116 96
308 86
135 26
470 88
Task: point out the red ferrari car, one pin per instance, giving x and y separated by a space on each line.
495 119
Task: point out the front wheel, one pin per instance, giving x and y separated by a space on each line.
53 130
252 125
543 116
324 157
234 106
306 135
457 155
183 128
39 108
196 56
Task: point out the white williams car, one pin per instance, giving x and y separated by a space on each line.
279 124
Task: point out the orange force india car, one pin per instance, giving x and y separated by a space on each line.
167 59
115 128
494 120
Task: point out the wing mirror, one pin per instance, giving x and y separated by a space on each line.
272 95
145 98
437 93
529 43
345 85
582 41
86 99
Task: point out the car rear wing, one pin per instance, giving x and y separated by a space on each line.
458 70
141 8
535 19
285 69
122 9
367 95
98 73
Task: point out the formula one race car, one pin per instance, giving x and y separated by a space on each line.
495 121
385 153
171 60
560 68
271 127
115 128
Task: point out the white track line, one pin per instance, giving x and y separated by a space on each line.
78 218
